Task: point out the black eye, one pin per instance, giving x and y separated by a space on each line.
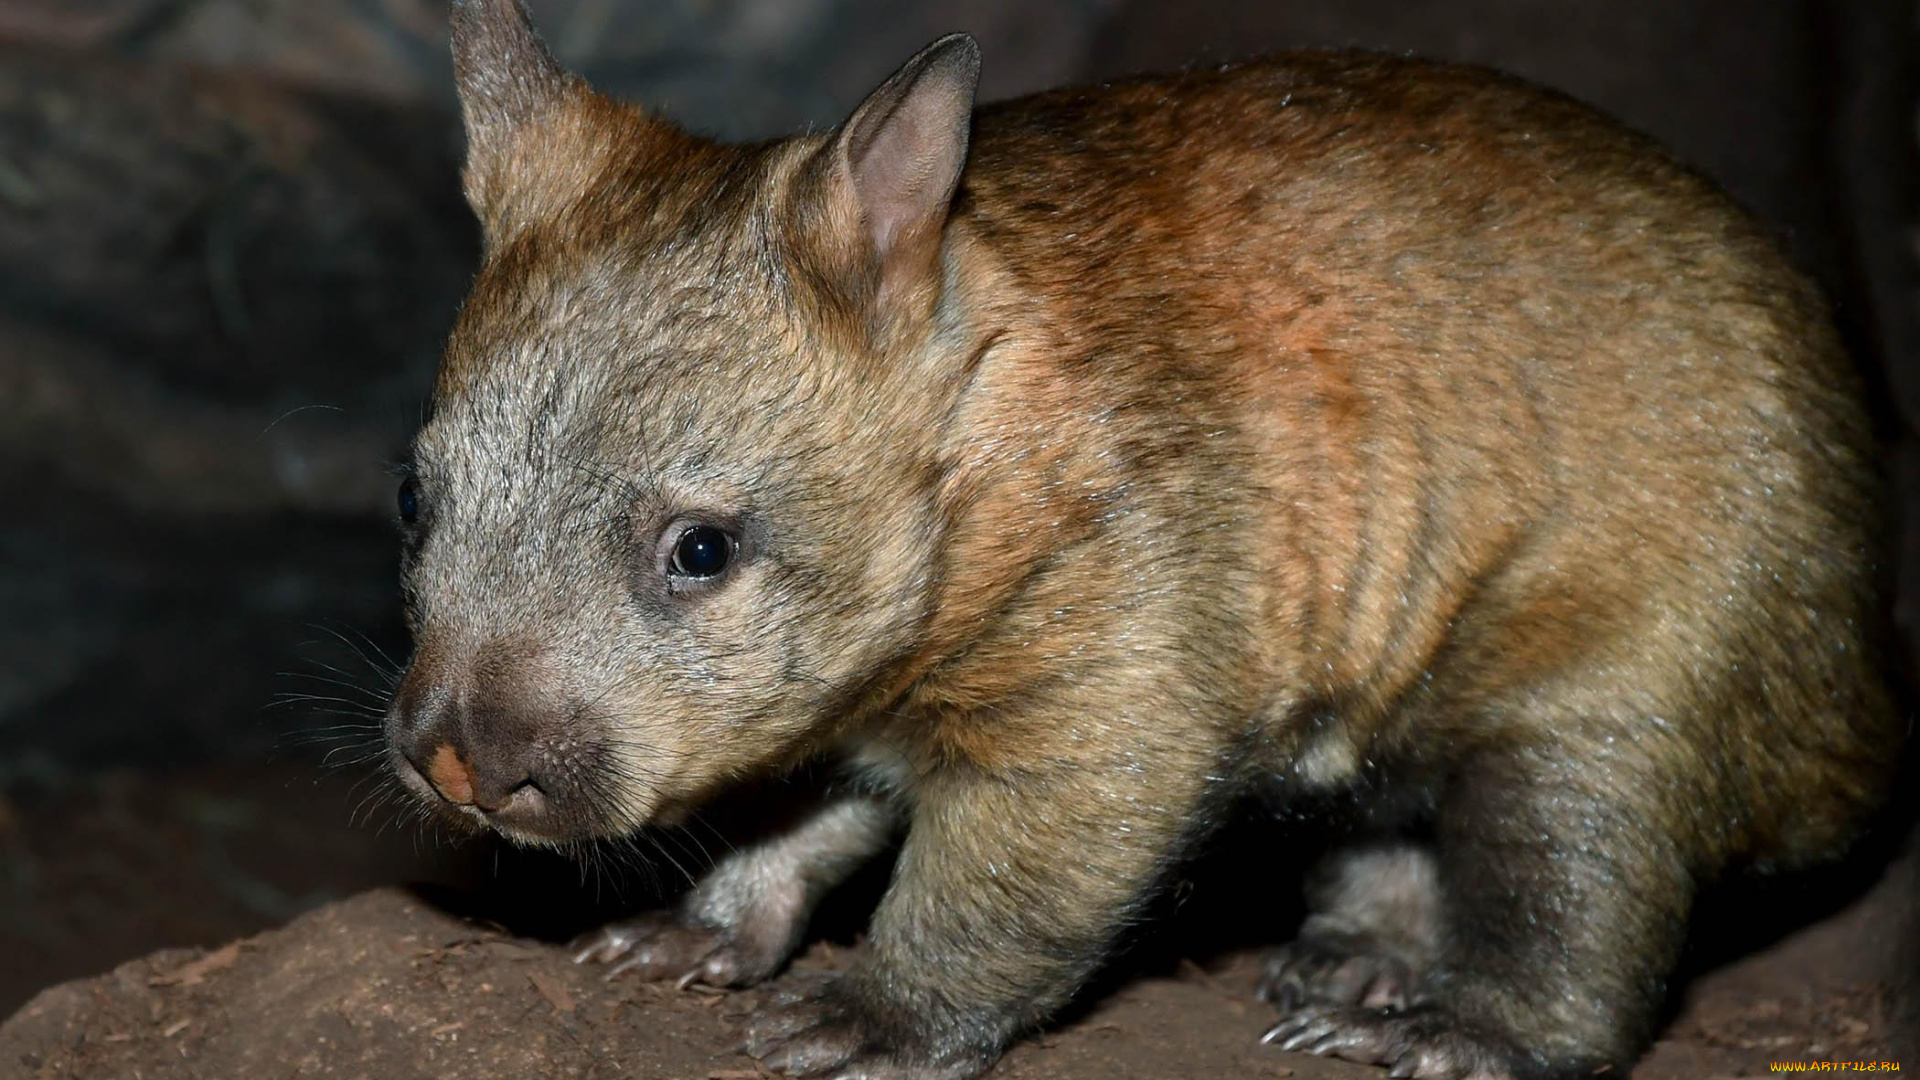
409 501
702 552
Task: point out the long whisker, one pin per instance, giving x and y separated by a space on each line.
385 664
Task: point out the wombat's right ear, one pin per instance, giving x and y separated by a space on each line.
507 79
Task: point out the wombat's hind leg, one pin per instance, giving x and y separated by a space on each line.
1354 983
1563 892
1370 935
742 922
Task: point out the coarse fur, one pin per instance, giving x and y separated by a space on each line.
1354 430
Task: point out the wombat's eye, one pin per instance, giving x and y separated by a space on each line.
701 552
409 501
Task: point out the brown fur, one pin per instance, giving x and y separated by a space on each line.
1330 426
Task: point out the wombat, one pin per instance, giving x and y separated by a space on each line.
1375 436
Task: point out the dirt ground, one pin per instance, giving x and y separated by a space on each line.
392 985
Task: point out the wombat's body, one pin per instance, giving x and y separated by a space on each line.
1333 425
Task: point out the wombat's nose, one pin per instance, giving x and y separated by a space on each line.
474 727
450 775
489 781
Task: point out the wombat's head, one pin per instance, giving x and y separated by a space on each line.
676 509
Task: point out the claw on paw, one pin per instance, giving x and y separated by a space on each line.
662 946
1420 1043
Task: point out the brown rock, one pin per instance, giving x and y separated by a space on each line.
387 985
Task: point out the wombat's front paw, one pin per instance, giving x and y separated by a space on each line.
1338 970
820 1027
662 945
1423 1042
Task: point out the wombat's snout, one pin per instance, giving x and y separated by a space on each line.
495 785
478 734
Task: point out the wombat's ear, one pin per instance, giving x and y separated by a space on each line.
900 155
506 79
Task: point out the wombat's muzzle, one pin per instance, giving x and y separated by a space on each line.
474 736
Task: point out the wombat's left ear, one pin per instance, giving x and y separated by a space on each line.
507 79
898 158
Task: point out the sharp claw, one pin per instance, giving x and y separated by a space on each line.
1409 1047
1312 1032
1285 1031
690 977
1327 1044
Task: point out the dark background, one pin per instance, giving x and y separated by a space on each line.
231 239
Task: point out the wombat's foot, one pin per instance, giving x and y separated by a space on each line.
1424 1042
1338 969
1374 929
821 1027
664 945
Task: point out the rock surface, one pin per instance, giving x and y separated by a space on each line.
388 985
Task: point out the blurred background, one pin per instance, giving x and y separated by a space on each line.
231 239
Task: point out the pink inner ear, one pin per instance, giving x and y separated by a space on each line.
907 144
906 174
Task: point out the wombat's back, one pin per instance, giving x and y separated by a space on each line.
1533 420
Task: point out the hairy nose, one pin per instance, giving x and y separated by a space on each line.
477 740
